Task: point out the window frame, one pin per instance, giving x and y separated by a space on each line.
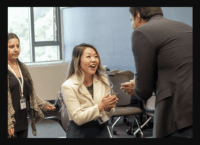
46 43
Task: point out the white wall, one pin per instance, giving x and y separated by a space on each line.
48 79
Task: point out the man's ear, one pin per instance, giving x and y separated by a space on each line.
137 17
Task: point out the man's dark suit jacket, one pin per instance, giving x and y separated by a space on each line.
163 56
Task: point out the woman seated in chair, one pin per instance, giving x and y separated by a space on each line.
87 95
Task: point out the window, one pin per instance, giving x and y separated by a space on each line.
38 29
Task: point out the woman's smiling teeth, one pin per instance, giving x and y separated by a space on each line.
93 66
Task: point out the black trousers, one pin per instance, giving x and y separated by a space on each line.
186 132
21 134
90 129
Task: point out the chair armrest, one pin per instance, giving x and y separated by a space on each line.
149 110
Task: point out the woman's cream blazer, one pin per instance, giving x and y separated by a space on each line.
81 107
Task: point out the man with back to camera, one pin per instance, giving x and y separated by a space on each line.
163 55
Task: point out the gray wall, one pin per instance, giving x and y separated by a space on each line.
109 30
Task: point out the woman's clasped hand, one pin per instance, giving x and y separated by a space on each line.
108 102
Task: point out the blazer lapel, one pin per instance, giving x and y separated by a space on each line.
97 90
83 88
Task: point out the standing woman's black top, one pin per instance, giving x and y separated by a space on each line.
20 115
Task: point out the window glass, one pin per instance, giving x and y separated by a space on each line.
45 46
19 23
45 24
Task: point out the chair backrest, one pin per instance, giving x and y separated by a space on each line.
127 73
123 98
63 114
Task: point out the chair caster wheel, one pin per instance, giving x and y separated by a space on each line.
114 132
129 132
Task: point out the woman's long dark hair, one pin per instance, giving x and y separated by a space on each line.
23 70
75 68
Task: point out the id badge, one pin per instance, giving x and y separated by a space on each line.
23 104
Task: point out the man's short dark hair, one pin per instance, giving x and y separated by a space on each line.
146 12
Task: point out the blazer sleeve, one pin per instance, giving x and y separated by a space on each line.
79 115
145 63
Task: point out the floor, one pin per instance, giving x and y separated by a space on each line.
50 127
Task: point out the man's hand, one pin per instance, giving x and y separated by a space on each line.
129 87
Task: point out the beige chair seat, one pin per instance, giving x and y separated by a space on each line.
126 111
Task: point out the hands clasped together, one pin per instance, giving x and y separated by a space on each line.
108 102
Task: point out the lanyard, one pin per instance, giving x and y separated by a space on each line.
21 83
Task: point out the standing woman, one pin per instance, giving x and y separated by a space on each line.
87 95
21 90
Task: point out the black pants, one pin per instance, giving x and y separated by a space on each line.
90 129
186 132
21 134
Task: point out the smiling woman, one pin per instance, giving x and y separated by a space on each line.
87 94
89 63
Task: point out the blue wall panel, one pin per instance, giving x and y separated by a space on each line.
109 30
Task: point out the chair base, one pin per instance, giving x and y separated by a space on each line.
139 129
109 130
112 127
114 132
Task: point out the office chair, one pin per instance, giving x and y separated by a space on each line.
116 72
149 108
60 102
124 100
